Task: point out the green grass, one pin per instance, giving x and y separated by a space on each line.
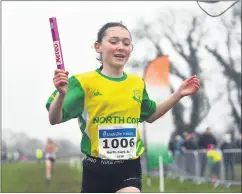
175 186
30 177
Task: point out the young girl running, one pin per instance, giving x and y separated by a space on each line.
109 103
50 150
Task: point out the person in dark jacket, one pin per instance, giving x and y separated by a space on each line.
205 141
189 145
171 146
228 157
4 156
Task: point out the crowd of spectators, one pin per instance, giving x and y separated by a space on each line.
210 153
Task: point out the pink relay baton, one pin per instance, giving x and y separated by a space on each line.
57 45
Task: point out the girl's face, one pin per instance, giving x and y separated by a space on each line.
49 141
115 47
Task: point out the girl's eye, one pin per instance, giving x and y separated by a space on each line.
117 41
113 42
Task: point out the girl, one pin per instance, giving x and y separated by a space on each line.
109 103
50 157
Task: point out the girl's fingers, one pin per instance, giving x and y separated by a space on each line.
61 83
196 85
60 75
196 82
188 80
58 71
60 80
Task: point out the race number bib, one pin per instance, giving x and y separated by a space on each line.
117 142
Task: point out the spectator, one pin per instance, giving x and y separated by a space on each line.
179 153
16 156
39 155
228 156
189 145
184 134
214 158
4 156
178 145
10 157
172 147
205 141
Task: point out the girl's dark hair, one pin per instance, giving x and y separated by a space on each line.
101 34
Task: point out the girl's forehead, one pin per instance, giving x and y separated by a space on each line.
117 32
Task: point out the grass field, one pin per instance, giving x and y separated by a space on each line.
30 177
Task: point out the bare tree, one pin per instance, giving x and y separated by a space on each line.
187 48
231 63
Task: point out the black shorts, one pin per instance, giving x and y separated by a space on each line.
109 176
51 159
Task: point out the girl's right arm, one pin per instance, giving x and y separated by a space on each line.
67 101
55 111
60 81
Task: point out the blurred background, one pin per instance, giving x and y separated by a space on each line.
198 142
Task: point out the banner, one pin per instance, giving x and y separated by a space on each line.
157 134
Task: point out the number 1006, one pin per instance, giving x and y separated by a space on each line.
115 143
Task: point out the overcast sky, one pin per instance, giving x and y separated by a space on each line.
28 59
